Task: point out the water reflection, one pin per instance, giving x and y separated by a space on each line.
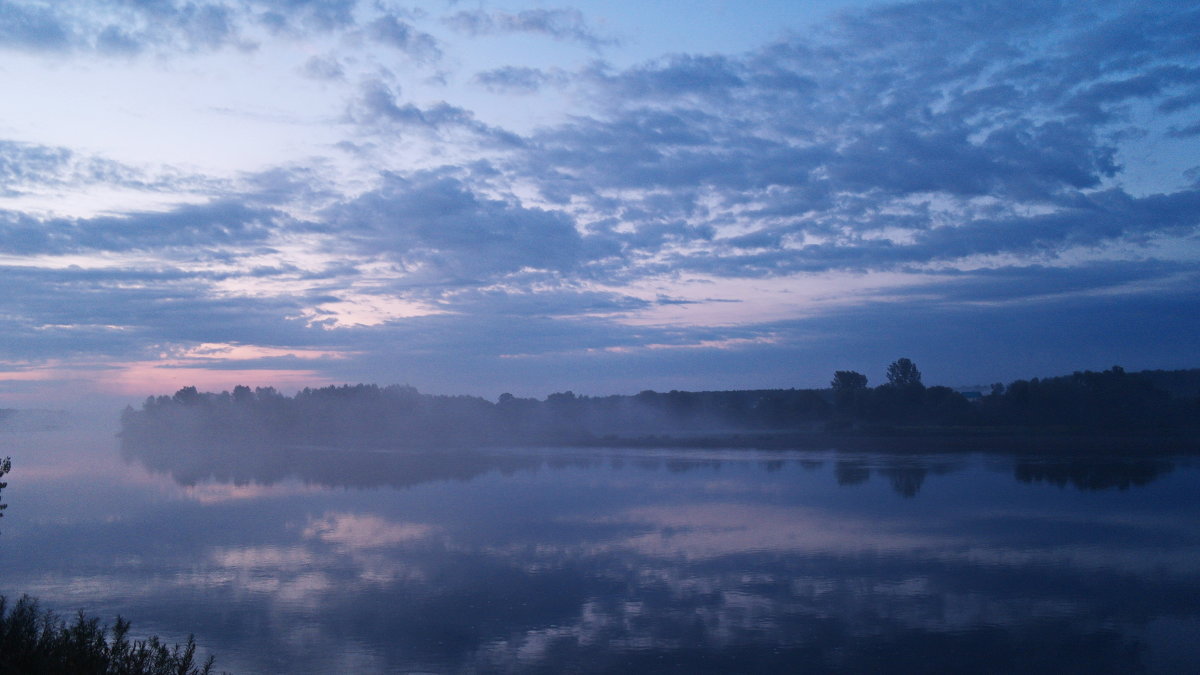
270 464
340 467
642 561
1093 474
906 478
852 472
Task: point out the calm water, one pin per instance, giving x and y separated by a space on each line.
551 561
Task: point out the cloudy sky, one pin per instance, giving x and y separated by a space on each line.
478 197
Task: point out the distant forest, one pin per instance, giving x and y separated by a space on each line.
1097 403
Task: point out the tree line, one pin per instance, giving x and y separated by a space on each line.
398 416
1105 401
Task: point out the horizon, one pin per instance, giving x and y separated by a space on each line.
102 409
598 197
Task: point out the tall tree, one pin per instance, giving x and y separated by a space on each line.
848 380
850 394
903 373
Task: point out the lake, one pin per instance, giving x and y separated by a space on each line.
304 560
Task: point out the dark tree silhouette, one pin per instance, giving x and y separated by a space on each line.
903 373
848 380
850 395
400 417
5 467
33 640
1109 400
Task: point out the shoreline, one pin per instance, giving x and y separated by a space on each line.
920 441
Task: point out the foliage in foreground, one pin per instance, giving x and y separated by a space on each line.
35 641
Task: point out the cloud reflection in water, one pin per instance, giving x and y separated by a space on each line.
649 560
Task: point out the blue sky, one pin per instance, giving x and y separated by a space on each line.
477 197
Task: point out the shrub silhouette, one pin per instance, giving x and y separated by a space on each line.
37 641
5 465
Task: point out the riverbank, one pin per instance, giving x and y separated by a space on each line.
927 440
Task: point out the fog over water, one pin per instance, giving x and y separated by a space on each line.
543 559
619 337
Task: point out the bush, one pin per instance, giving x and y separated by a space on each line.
34 641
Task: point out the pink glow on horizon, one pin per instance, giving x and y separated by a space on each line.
153 378
60 384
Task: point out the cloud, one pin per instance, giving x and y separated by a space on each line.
119 28
1016 173
513 80
131 313
352 531
1024 160
390 31
25 164
1023 283
296 15
711 76
862 150
195 227
1188 131
113 41
547 302
205 25
440 229
378 110
559 24
33 168
126 29
324 68
36 28
1096 220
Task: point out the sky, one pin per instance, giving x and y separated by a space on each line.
604 197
